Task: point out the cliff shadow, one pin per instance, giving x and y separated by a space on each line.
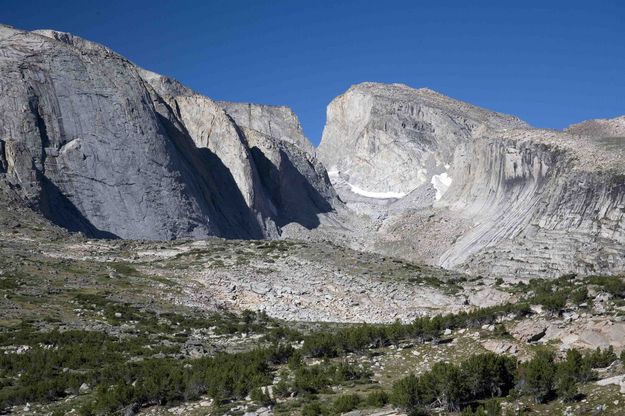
56 207
212 185
295 199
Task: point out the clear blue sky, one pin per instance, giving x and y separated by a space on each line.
551 63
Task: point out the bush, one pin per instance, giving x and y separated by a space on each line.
312 409
601 358
347 403
311 380
488 375
407 393
579 295
377 398
537 376
261 397
613 285
552 301
316 379
481 376
281 389
361 337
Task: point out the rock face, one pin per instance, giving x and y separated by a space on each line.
392 139
455 185
101 146
273 121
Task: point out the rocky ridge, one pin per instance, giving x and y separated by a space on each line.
600 128
99 145
474 190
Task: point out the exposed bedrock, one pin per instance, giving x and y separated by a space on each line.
458 186
101 146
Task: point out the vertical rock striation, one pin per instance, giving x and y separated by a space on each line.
101 146
475 190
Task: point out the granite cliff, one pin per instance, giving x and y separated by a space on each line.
99 145
455 185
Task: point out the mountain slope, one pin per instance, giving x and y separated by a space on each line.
101 146
599 128
466 188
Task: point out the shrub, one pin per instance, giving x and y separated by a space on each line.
481 376
312 409
537 376
488 375
316 379
377 398
614 285
601 358
261 397
579 295
407 393
312 380
346 403
281 389
362 337
552 301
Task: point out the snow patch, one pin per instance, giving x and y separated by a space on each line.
441 183
378 195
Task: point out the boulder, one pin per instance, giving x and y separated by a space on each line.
530 330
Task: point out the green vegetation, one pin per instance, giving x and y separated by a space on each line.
554 294
222 323
162 381
454 386
139 368
537 376
139 359
347 403
55 363
361 337
316 379
377 398
487 376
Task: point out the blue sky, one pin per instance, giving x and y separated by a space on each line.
551 63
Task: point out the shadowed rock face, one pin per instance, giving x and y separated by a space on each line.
103 147
264 146
469 189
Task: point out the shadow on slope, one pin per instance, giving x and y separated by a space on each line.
295 199
57 208
212 185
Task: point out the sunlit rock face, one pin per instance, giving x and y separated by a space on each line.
466 188
101 146
394 139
